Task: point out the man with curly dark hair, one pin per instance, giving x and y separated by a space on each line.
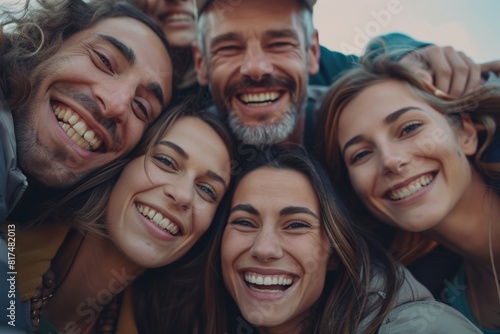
79 85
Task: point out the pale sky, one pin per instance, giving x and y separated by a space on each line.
469 26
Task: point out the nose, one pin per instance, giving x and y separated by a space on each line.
394 160
266 246
256 64
180 192
116 99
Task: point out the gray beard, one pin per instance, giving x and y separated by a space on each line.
265 134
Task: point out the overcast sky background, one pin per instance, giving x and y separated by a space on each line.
470 26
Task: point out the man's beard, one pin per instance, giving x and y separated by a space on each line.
265 134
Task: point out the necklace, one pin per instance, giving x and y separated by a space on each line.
108 318
61 264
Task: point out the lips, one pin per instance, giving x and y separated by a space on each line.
158 219
268 283
176 17
259 99
410 189
76 128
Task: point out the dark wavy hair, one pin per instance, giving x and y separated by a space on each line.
345 300
37 31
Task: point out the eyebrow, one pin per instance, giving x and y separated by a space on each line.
182 153
127 52
291 210
131 58
245 207
176 148
284 33
391 118
216 177
231 36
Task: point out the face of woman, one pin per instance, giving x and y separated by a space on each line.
405 161
177 20
274 249
154 221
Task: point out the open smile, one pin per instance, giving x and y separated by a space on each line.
412 188
260 99
268 283
159 220
76 128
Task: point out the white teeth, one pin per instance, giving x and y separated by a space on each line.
411 189
158 219
260 98
179 17
77 129
268 279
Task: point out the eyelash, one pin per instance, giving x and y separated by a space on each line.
105 61
242 222
209 190
143 109
166 161
298 224
410 127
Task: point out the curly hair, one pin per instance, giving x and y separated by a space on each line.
37 31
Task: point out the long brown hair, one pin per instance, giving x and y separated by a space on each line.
344 302
482 105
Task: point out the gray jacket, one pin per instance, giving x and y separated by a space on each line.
416 311
12 181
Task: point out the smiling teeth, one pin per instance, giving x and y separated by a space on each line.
260 98
411 189
158 219
268 279
77 129
179 17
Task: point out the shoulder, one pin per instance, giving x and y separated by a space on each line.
426 317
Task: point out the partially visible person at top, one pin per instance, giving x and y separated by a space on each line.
79 85
146 211
256 56
177 19
413 161
289 260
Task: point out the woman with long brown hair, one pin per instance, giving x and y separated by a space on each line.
411 161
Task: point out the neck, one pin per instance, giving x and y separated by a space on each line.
466 230
98 274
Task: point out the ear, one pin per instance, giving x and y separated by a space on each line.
200 66
313 54
468 136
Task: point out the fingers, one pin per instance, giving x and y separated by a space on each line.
492 66
453 72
